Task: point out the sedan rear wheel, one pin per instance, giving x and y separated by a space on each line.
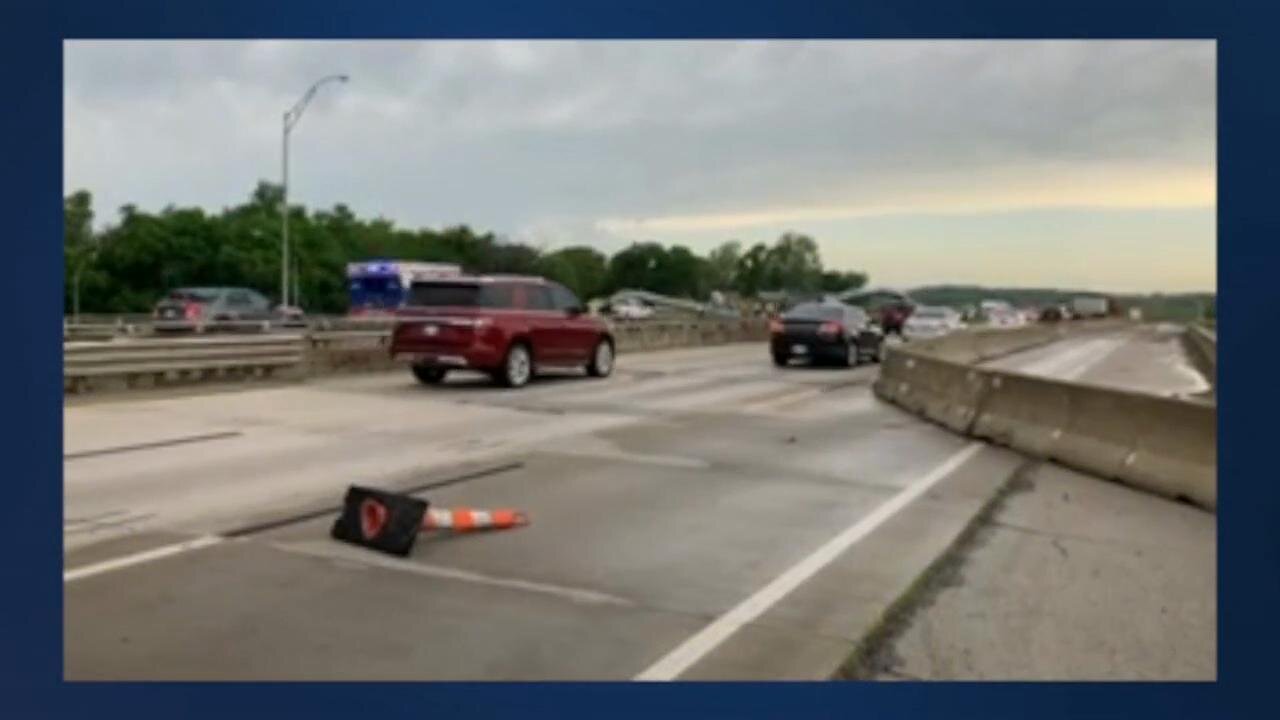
850 354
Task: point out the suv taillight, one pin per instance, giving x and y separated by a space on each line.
775 327
830 329
192 311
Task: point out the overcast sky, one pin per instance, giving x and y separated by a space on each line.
1083 164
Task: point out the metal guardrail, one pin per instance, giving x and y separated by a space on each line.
86 364
148 328
123 327
353 344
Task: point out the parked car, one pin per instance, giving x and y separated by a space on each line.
825 332
203 309
507 326
929 322
631 309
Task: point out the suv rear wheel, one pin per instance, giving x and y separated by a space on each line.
517 367
429 375
601 359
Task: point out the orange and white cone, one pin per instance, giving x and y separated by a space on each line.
465 519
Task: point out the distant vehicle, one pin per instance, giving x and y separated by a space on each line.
380 286
888 308
928 322
203 309
1052 314
507 326
291 316
986 307
1087 306
831 332
1005 318
631 309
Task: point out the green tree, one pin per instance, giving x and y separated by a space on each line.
580 268
127 266
637 267
683 274
722 265
837 281
793 263
750 276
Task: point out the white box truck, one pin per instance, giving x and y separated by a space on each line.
1086 306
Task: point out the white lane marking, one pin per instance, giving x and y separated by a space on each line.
671 665
344 553
1066 363
106 524
1054 363
1102 352
164 551
717 396
778 403
675 461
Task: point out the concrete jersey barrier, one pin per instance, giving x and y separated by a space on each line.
1202 347
1163 445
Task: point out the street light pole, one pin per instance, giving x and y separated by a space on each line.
291 117
284 217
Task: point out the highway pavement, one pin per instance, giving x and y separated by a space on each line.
1149 359
1071 579
699 515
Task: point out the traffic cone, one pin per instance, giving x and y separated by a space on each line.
379 520
390 522
465 519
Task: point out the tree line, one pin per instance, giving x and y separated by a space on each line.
130 264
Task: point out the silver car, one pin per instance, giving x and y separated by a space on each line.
930 322
201 309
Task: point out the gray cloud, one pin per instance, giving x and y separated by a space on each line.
545 139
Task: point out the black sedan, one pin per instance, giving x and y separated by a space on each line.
825 332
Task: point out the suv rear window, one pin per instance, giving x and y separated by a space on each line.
445 294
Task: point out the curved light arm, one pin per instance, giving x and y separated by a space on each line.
294 113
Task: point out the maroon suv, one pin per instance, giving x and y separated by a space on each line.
506 326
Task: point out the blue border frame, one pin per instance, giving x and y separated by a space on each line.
1249 546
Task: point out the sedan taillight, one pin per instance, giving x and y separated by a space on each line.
830 329
192 311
